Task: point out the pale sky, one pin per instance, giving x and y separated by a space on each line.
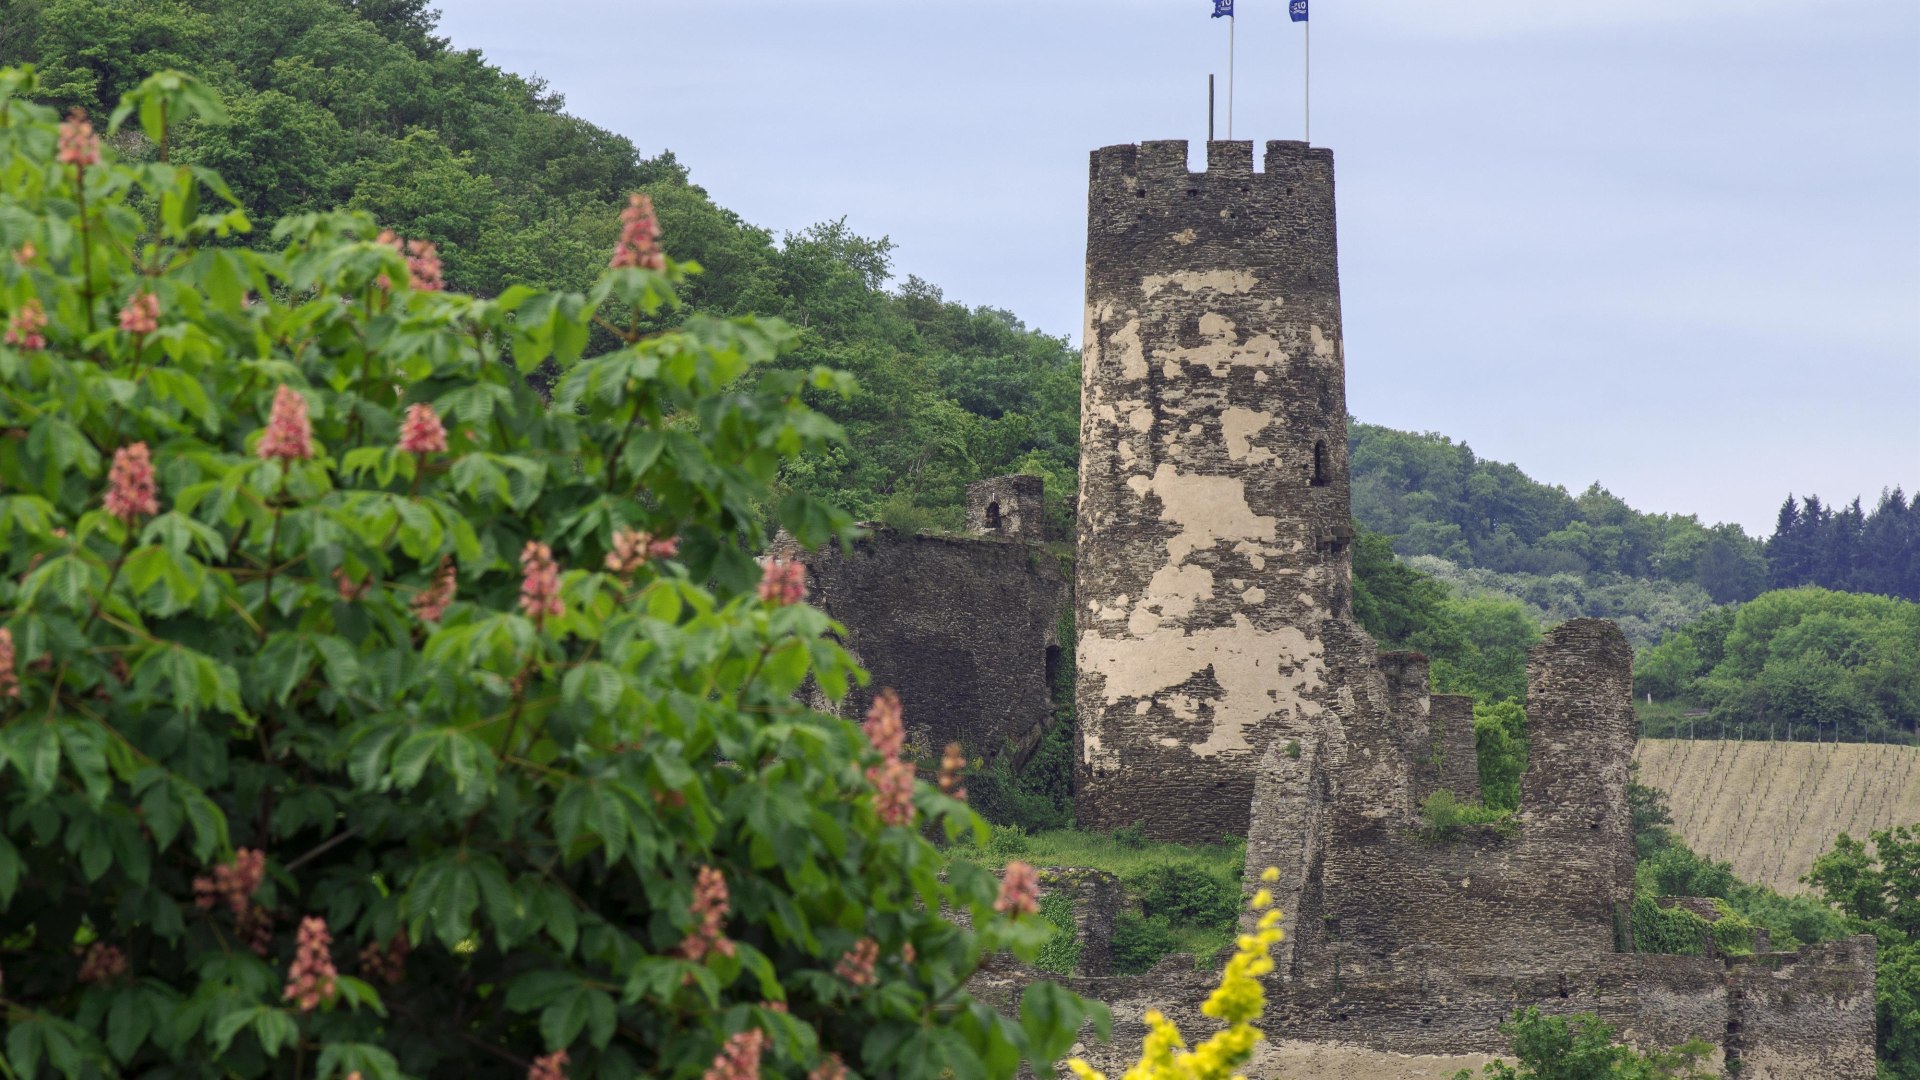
1670 245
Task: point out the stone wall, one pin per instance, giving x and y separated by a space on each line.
1214 523
964 628
1013 507
1804 1014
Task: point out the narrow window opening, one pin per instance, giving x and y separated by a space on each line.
1053 669
1322 474
993 516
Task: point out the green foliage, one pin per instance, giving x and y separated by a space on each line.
1879 890
1432 496
1500 730
1645 608
1447 816
1798 663
1875 551
1672 930
1061 954
1037 797
1583 1048
1667 867
523 793
1177 898
1189 893
1140 941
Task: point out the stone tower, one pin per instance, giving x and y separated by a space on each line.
1214 521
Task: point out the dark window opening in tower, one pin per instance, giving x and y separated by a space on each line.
1053 669
1322 475
993 516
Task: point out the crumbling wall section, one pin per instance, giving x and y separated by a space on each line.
1455 743
1013 507
1804 1014
961 627
1214 521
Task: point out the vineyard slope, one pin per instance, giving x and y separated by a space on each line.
1771 808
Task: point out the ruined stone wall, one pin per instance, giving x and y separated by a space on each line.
1382 900
1010 506
1455 742
1804 1014
1214 520
961 627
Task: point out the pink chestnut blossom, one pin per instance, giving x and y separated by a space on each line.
141 315
639 243
1019 890
289 433
78 144
739 1059
540 583
23 330
421 432
311 980
130 487
783 582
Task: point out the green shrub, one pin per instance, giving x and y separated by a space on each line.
1131 836
1061 954
1139 942
1447 816
1500 734
1581 1047
1039 796
1006 841
1672 930
282 667
1186 894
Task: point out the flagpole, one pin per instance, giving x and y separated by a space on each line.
1230 21
1306 75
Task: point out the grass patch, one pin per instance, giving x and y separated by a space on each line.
1447 817
1176 897
1122 855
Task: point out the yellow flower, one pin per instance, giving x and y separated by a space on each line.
1238 1001
1270 875
1261 899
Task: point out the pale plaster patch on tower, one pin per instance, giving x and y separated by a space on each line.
1133 355
1226 281
1185 237
1222 351
1238 427
1261 673
1172 595
1324 347
1208 509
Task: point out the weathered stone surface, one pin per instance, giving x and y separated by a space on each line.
1804 1014
964 628
1224 684
1010 506
1214 522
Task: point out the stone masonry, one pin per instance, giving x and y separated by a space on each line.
1214 523
1224 686
965 628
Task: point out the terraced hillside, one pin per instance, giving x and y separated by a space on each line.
1771 808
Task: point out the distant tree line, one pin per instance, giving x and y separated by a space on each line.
1848 549
1804 663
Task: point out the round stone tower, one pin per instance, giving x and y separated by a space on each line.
1214 520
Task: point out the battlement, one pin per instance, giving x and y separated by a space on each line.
1230 159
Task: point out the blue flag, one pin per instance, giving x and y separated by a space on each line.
1298 10
1223 7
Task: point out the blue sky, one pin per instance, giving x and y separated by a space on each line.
1670 245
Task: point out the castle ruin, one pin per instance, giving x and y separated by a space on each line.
1224 686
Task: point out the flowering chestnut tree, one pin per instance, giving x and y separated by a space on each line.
362 712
